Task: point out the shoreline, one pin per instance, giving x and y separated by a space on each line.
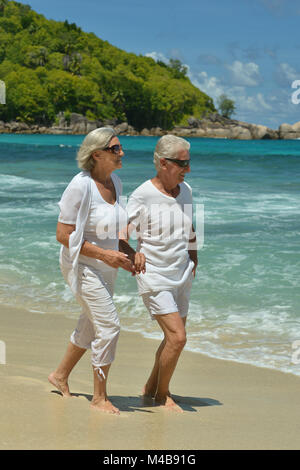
227 405
213 126
156 336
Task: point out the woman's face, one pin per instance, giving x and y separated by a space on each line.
111 158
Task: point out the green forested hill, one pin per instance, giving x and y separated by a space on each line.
50 66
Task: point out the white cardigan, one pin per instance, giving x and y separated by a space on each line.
81 185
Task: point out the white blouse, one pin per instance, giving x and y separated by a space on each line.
96 221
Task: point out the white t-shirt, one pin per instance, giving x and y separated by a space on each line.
103 220
163 227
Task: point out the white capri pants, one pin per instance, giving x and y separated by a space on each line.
98 326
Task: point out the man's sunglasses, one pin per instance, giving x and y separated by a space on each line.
116 149
182 163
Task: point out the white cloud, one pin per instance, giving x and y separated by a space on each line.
261 100
288 72
158 56
245 103
244 74
212 86
285 74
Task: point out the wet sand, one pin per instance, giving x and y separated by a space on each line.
226 405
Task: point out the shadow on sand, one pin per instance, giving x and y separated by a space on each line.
139 403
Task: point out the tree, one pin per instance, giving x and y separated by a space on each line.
179 70
51 67
3 4
226 106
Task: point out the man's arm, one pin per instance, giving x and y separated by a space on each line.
193 253
138 259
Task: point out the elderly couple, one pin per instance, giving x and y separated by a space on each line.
94 230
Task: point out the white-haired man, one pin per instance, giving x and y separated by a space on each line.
160 210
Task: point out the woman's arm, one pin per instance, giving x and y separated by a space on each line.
113 258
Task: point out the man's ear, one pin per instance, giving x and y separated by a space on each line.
162 162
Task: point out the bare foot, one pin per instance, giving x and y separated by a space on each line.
60 384
151 394
147 393
168 403
105 405
147 397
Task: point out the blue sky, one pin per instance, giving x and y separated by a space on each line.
247 49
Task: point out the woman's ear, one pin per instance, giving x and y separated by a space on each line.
94 154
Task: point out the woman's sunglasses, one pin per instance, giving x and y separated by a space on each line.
182 163
116 149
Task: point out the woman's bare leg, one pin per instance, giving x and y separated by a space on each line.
100 400
59 377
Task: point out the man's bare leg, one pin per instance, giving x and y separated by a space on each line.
151 384
150 388
100 400
175 338
59 377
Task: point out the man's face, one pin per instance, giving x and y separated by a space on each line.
176 173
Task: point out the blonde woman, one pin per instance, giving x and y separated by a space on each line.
88 224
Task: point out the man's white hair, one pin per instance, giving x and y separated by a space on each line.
168 146
98 139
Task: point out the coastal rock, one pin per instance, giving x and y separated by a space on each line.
212 126
199 133
90 126
157 131
131 131
284 128
78 123
290 136
58 130
220 133
296 127
182 131
111 122
193 122
145 132
262 132
16 127
241 133
122 128
288 131
62 122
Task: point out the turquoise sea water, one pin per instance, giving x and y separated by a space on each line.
245 303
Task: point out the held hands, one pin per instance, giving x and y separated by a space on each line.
134 263
139 263
116 259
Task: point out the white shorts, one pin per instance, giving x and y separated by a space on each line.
169 301
98 326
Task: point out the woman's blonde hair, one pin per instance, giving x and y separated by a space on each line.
98 139
168 146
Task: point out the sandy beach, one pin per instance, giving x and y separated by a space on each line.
226 405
